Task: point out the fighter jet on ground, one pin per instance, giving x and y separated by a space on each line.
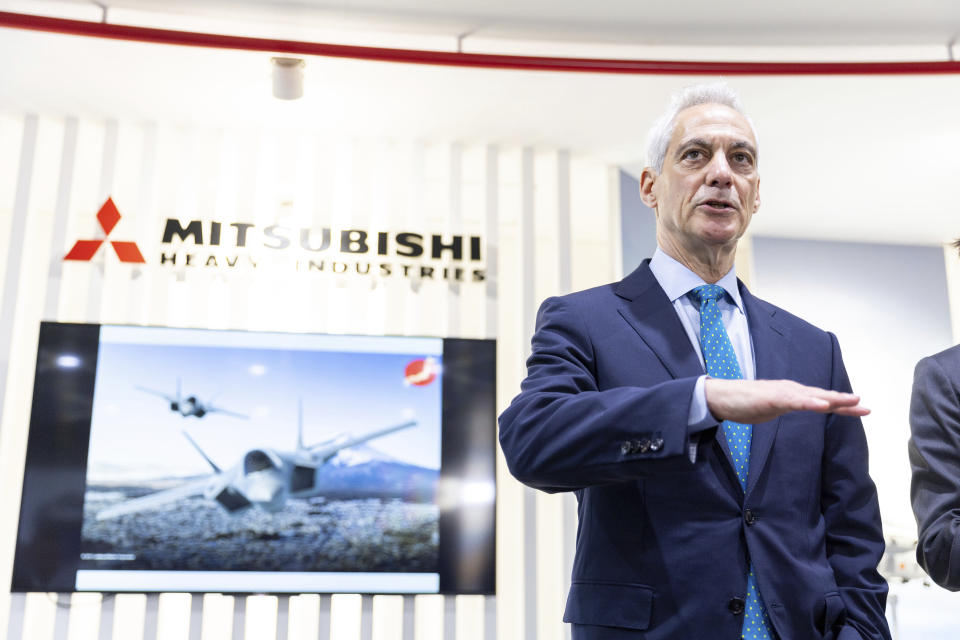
264 478
190 405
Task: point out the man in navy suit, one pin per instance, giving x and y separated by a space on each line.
714 507
934 450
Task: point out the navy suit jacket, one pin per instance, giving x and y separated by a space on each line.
935 459
663 542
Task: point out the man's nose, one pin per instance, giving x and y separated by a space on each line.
719 173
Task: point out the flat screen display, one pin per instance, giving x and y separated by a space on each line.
195 460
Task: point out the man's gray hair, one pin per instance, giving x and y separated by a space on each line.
662 130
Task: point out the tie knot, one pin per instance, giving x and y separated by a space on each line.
711 292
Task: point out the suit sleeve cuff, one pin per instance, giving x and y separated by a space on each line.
699 418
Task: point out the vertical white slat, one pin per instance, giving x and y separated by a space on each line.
551 233
24 288
217 616
322 178
510 358
39 615
61 211
117 302
96 277
472 300
470 623
345 616
413 311
81 223
394 217
388 618
338 302
428 614
160 166
83 613
433 292
528 275
952 265
17 147
145 227
564 237
454 226
11 282
129 616
235 203
568 515
173 615
492 237
304 617
260 619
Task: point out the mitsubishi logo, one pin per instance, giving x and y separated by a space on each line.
108 217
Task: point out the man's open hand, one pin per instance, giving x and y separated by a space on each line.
753 401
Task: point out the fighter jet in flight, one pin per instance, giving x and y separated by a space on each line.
190 405
263 478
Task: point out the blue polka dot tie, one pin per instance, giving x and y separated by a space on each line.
721 362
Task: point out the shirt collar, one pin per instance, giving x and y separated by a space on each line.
677 280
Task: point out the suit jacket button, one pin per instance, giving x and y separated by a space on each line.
626 447
657 444
749 517
644 445
736 606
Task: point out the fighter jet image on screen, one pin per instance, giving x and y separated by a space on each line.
264 478
190 405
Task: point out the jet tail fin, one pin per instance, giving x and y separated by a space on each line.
186 435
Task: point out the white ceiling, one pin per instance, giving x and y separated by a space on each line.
853 158
678 22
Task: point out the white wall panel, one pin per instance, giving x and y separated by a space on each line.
952 263
526 204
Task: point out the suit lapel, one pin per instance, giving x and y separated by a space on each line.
769 338
652 316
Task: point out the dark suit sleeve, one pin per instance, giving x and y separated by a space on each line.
851 512
563 433
935 460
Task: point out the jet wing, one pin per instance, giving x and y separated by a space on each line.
324 451
212 409
158 499
166 396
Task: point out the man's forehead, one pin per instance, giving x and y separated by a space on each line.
711 121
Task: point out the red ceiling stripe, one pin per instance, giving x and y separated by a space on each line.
479 60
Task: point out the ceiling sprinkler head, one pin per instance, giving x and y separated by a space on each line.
288 77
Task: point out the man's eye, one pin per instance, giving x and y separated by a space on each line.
692 154
742 158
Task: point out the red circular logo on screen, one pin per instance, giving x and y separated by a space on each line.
421 372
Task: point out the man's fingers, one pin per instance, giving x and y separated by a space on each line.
856 411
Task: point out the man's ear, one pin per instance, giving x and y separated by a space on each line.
647 180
